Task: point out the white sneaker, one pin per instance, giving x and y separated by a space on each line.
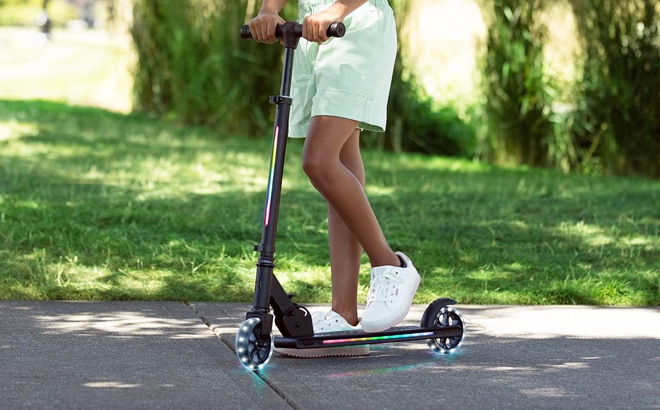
324 323
390 295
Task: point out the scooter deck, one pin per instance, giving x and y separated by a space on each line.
359 337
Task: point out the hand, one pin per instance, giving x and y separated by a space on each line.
263 27
316 25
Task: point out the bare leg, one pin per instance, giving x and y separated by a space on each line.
344 192
345 249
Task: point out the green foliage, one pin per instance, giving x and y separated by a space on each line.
617 123
194 67
518 92
81 68
414 123
99 205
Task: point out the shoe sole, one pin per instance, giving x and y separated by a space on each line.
325 352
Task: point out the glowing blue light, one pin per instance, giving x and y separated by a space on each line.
432 342
242 345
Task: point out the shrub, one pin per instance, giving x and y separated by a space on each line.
194 67
414 123
518 92
618 121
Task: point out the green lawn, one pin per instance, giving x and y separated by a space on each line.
91 68
100 205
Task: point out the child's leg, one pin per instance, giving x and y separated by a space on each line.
321 162
345 249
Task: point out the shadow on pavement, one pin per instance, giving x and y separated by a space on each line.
487 372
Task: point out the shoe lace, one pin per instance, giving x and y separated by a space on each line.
318 318
381 285
321 321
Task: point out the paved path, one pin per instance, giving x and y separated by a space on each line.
169 355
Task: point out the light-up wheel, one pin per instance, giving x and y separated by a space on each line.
252 353
444 317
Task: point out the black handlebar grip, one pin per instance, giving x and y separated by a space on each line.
245 32
337 29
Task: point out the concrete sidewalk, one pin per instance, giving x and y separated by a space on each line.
164 355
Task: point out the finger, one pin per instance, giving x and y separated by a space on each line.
263 31
304 33
252 29
322 33
315 33
271 32
280 23
255 32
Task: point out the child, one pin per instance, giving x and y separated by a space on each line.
340 86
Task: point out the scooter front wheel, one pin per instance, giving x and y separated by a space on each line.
252 352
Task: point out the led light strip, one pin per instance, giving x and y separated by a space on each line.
365 339
242 345
270 179
433 344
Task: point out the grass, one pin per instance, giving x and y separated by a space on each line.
92 67
96 205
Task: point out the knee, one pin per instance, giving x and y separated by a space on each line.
313 166
317 167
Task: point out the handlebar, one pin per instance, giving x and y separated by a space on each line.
336 29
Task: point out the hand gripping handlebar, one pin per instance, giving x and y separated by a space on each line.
334 30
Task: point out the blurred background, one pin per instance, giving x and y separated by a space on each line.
76 51
523 143
556 83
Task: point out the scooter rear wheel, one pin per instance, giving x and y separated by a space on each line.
444 316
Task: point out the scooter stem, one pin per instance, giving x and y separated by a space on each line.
266 264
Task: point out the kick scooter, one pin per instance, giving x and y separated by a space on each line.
441 326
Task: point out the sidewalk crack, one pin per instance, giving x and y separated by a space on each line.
263 377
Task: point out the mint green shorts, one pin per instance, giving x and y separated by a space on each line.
347 77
